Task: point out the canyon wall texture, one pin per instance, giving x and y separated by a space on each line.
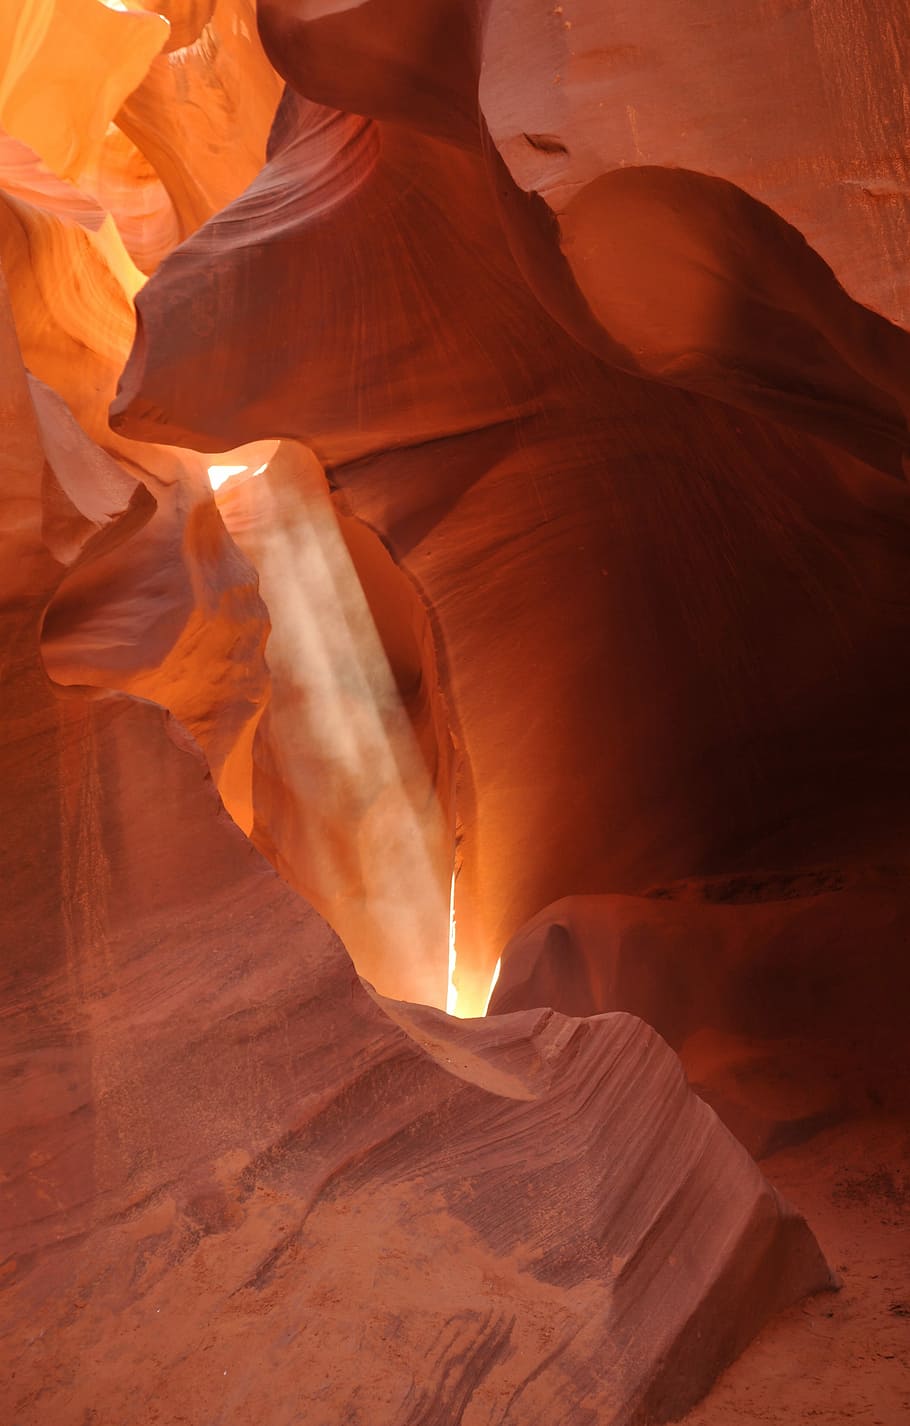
649 596
456 558
235 1179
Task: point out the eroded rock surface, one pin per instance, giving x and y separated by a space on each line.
555 600
784 996
649 602
217 1142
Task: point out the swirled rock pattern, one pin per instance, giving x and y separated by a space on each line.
549 365
175 617
675 581
218 1140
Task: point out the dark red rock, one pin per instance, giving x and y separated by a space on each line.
647 603
784 996
590 317
234 1179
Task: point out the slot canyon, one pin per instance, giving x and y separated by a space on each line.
454 672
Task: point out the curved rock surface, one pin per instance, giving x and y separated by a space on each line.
799 105
201 115
218 1139
158 110
67 66
548 362
784 996
176 617
676 586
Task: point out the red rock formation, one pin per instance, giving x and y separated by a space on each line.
177 617
674 586
764 985
202 113
607 588
160 116
27 178
127 186
217 1141
799 106
67 66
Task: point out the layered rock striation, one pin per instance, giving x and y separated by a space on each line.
237 1181
549 618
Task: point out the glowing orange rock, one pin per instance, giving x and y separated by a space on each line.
24 176
126 185
201 116
640 596
177 618
66 66
206 1098
162 117
658 617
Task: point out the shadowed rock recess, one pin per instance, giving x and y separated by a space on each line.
454 613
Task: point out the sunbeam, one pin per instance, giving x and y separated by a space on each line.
342 791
